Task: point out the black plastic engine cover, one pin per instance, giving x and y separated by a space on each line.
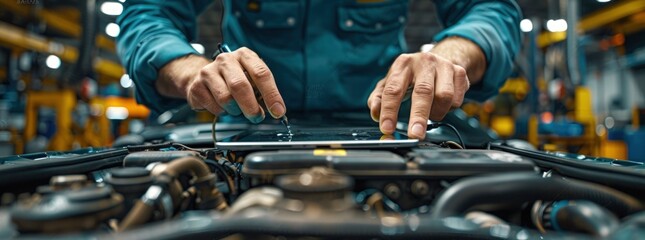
459 163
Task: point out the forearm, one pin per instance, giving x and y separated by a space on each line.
493 25
464 53
173 78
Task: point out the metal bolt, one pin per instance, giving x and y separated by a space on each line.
392 191
419 188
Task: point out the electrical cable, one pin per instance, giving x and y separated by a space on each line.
220 169
433 125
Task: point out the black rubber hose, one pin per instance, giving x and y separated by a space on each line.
354 225
516 188
586 217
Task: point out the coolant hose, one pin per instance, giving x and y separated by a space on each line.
139 214
518 188
204 181
582 216
192 165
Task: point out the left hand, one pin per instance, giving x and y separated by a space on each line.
437 86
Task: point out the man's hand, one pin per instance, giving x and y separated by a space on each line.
437 82
223 85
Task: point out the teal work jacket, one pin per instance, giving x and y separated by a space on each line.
324 54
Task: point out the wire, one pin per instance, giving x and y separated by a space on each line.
220 169
433 125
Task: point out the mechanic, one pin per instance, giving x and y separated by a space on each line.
318 55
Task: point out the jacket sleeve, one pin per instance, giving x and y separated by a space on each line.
152 34
491 24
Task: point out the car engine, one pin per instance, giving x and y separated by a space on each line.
170 183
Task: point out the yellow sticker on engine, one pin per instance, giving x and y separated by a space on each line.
330 152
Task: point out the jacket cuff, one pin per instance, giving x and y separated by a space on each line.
498 59
152 54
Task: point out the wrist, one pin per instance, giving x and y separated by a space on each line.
174 78
465 53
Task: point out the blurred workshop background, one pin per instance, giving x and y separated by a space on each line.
577 87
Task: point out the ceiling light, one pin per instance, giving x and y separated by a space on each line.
198 47
53 62
116 113
526 25
112 30
603 1
112 8
558 25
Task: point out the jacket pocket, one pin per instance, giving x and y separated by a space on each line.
373 18
277 22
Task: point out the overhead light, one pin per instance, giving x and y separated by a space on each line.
198 47
112 30
526 25
603 1
126 81
558 25
122 1
116 113
53 62
112 8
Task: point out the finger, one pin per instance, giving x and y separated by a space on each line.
239 87
422 98
219 90
374 101
264 81
200 98
444 91
387 137
462 84
395 86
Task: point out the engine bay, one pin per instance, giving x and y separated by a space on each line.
166 188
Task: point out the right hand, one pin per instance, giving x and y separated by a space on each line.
223 85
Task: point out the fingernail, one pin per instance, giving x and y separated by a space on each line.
387 126
232 108
417 130
276 110
256 118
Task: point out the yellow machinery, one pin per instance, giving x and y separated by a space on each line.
96 132
97 129
63 103
588 142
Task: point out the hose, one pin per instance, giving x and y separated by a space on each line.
577 216
203 180
522 187
139 215
350 224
